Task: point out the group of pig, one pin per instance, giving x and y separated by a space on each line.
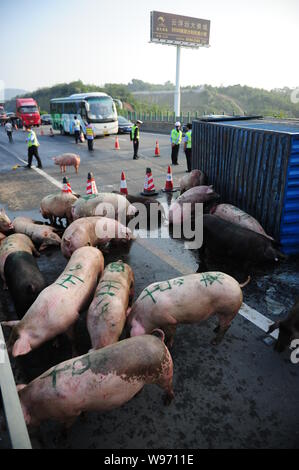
115 369
232 234
227 230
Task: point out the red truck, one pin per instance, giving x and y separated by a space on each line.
2 114
27 110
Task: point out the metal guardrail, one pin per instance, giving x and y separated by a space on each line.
12 407
165 116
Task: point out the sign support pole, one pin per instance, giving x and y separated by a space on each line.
177 95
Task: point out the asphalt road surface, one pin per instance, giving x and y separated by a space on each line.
240 394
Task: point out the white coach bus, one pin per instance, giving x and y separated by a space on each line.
97 109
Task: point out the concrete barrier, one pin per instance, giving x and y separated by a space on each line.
158 127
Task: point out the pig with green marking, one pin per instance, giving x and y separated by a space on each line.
187 299
57 308
99 381
112 301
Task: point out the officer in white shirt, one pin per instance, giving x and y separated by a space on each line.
8 129
77 128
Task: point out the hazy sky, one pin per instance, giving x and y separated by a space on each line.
253 42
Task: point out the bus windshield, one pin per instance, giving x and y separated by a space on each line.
28 109
101 109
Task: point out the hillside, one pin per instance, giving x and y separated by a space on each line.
205 99
233 99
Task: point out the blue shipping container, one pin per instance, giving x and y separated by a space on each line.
254 164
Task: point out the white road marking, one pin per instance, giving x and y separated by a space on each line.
247 312
38 170
258 319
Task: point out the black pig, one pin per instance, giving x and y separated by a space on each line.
288 329
237 243
24 280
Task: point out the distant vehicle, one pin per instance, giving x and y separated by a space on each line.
3 115
97 109
27 111
124 125
11 115
46 119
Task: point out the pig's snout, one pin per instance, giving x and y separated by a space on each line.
136 328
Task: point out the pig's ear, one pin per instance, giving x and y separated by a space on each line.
30 289
67 241
21 347
20 387
210 190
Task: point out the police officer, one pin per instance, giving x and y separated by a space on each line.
188 147
135 134
77 128
33 145
175 139
89 136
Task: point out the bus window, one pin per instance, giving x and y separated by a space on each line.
53 108
83 111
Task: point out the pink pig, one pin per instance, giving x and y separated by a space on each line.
192 179
111 304
93 231
187 299
67 159
99 381
198 194
58 306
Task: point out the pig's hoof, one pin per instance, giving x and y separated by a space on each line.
215 341
167 399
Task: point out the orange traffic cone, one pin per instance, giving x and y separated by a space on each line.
66 188
117 147
91 187
149 187
169 182
123 184
157 150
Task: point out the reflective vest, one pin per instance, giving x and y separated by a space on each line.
176 137
89 133
189 139
32 139
133 132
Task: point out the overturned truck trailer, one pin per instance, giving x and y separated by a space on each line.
254 164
